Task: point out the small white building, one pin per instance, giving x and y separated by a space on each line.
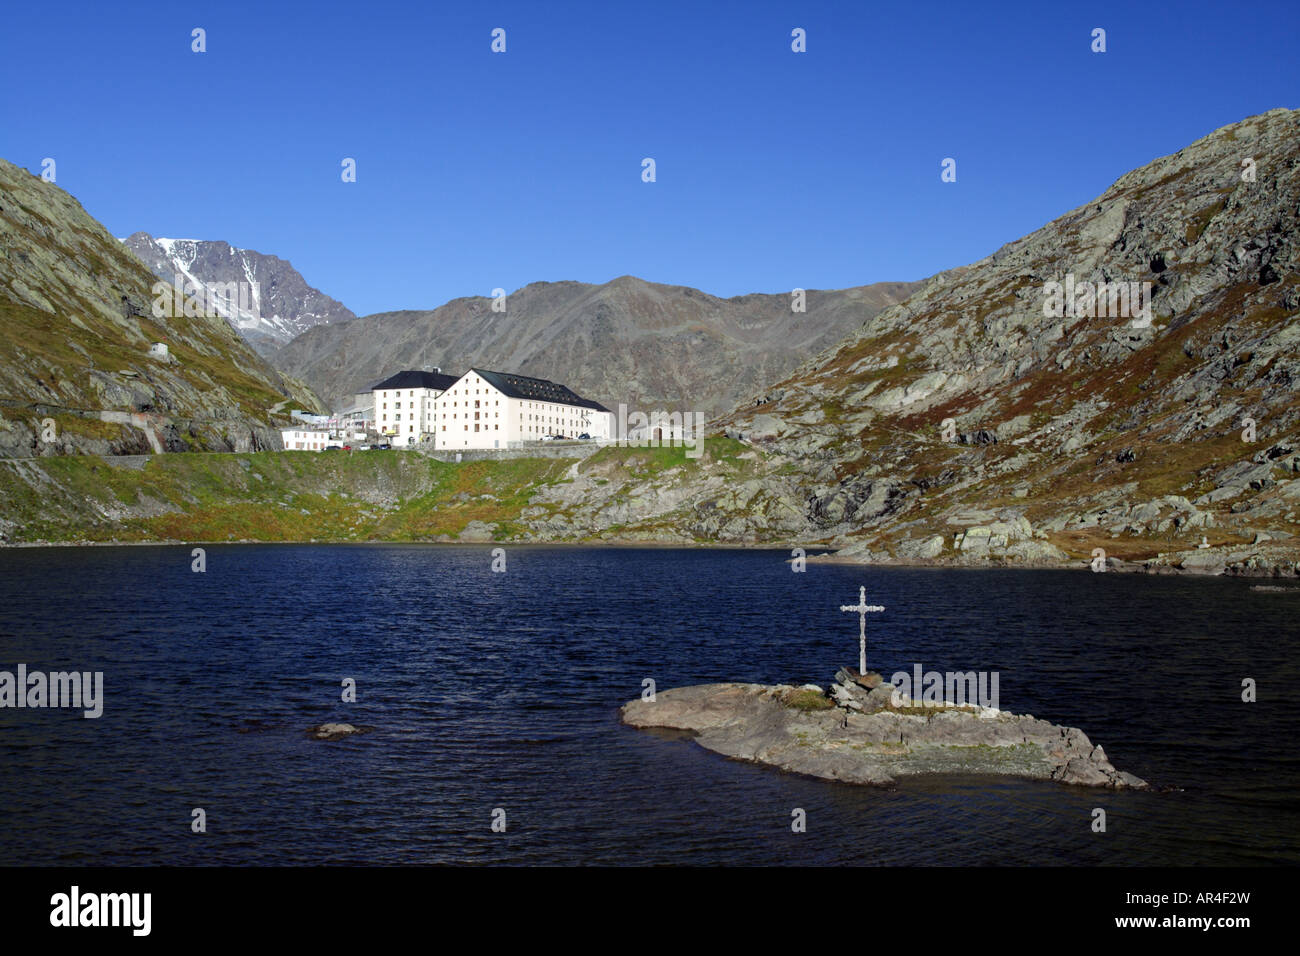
357 419
159 351
403 405
661 427
304 438
486 409
361 414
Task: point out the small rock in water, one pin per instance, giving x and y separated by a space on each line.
334 731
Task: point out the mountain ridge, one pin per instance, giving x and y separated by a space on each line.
655 344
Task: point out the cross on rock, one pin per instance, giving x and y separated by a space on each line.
862 607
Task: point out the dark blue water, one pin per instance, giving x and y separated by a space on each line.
486 690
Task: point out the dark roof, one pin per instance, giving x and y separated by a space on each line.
535 389
413 379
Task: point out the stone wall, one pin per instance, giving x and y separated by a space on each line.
548 450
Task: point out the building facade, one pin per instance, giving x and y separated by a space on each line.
486 409
404 405
303 438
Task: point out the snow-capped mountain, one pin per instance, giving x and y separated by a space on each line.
263 297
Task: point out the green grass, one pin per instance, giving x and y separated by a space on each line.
653 459
807 700
266 496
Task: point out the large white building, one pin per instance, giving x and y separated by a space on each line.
403 411
483 409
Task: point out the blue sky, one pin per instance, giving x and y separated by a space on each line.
476 170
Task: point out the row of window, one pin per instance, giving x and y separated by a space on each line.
455 404
397 416
477 404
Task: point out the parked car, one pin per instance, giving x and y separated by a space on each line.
585 437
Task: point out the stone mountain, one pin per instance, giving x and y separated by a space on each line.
277 303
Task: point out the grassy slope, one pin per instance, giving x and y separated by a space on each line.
285 496
51 355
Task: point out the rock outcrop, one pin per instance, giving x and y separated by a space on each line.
860 734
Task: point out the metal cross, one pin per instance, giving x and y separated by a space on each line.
862 607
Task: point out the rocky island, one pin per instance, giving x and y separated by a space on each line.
862 731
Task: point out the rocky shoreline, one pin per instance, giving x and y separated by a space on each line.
861 730
1227 562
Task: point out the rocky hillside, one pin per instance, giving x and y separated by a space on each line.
651 346
277 304
1075 432
76 327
